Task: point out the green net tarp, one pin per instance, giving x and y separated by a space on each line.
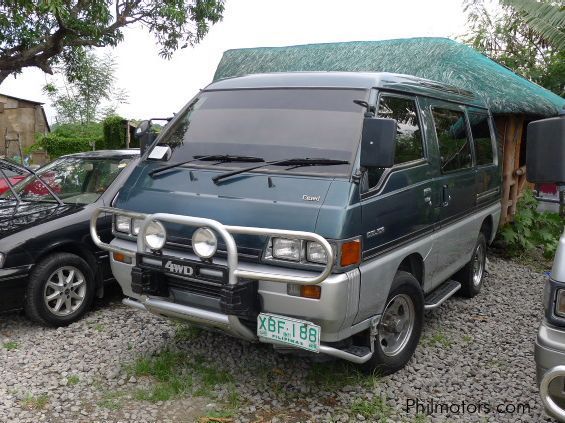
438 59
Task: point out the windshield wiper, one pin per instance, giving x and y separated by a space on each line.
222 158
286 162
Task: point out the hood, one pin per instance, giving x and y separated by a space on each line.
18 217
258 200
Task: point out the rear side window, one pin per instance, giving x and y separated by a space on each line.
454 148
408 136
480 129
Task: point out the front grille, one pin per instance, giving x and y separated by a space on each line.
209 289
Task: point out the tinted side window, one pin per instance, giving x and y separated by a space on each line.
481 137
454 147
409 137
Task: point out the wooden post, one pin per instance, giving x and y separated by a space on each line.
510 129
127 134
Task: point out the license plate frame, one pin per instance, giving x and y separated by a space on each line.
287 330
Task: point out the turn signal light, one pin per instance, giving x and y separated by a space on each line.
350 253
306 291
311 291
122 258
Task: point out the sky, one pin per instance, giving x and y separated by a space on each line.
158 87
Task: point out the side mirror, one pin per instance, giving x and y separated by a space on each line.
378 142
545 151
144 135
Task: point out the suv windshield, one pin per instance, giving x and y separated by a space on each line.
75 180
274 124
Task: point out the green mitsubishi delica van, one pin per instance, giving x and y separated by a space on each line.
315 211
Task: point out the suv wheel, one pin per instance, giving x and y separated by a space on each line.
472 275
400 327
60 290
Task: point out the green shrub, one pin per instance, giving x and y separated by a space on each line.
532 228
70 138
114 132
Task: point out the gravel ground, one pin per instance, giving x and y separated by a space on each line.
474 355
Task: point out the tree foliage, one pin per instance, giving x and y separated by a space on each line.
508 35
546 19
89 91
41 33
71 138
114 132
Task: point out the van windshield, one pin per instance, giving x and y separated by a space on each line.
272 124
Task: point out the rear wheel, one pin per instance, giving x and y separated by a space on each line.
471 276
400 327
60 290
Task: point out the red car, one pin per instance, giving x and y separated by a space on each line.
13 177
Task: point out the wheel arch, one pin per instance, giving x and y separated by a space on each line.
487 228
77 249
414 264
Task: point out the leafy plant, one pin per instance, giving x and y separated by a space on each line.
524 35
532 229
10 345
114 132
46 33
88 92
71 138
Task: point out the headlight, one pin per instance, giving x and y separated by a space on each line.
316 253
135 226
204 243
2 260
123 224
287 249
560 303
155 235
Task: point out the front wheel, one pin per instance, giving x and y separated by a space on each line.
60 290
400 326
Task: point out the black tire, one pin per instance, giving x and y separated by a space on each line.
406 287
470 286
36 306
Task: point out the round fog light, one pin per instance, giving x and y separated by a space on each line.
204 243
155 235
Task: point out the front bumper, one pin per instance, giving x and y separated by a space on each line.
13 282
550 368
334 312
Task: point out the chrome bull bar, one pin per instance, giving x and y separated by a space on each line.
227 323
225 231
548 402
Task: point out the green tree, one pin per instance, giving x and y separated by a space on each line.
508 35
89 91
42 33
545 18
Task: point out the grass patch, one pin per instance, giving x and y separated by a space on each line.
73 380
111 400
10 345
98 327
186 332
35 402
176 374
335 375
219 416
468 339
420 418
438 339
376 409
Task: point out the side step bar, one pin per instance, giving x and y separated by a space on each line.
436 298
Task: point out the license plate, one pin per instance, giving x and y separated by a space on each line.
298 333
